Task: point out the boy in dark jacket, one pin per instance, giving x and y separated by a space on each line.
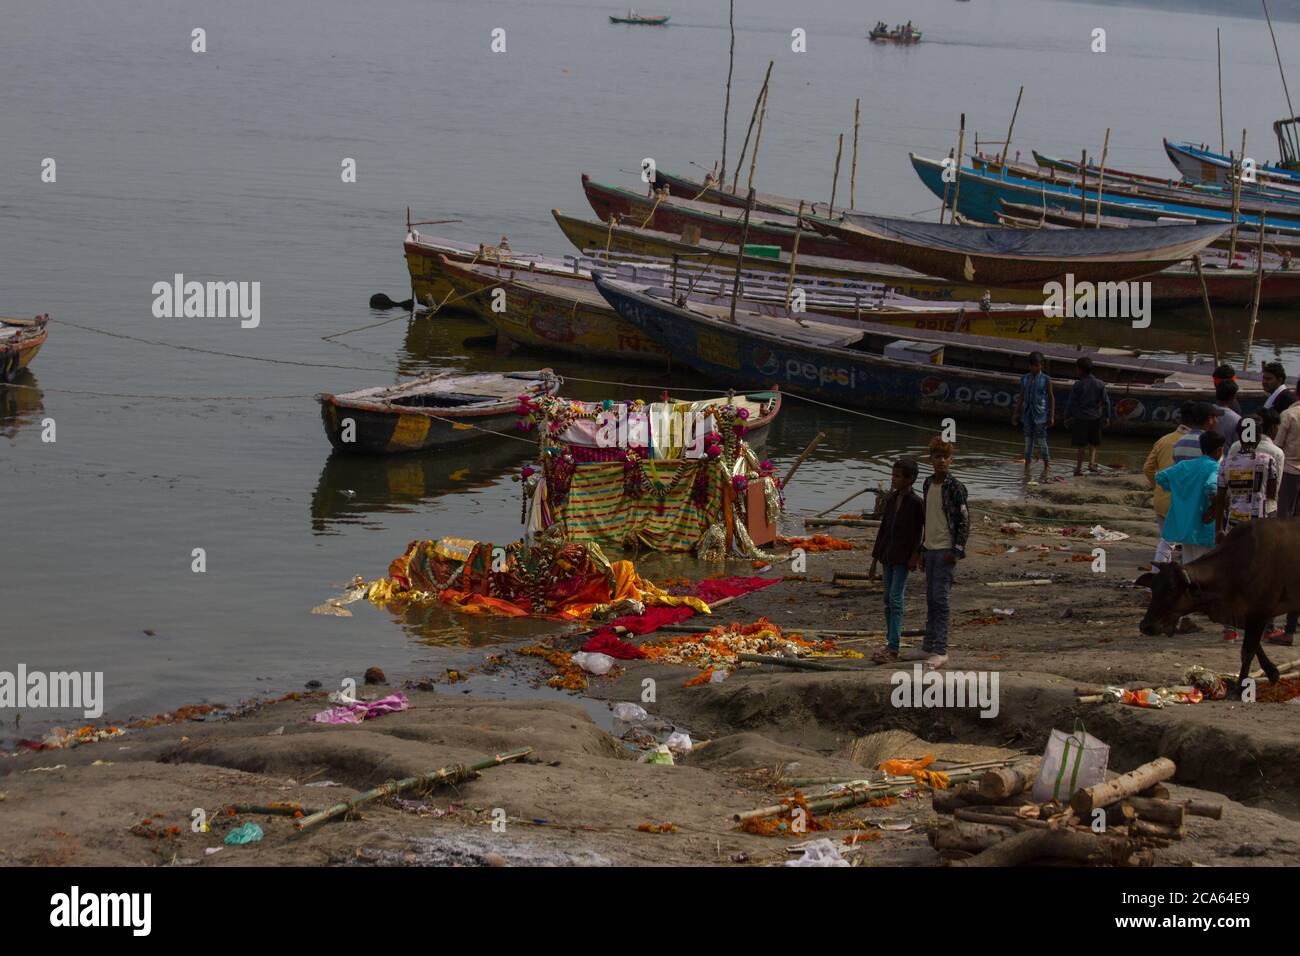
897 547
1087 412
943 542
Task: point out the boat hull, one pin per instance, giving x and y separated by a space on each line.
387 432
862 380
19 354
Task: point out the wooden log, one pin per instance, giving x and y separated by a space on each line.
846 522
1029 582
1002 782
1079 846
432 778
1167 812
983 815
1212 810
946 801
1158 792
968 837
1086 799
1148 828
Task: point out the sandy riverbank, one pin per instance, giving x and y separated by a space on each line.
581 796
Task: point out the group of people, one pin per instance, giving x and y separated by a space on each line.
903 31
1087 412
928 533
1218 469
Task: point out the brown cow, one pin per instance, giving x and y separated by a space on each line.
1251 577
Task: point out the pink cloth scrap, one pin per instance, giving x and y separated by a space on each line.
360 710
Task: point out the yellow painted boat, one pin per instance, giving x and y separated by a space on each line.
20 340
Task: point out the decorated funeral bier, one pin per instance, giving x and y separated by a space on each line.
668 475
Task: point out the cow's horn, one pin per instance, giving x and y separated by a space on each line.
1187 578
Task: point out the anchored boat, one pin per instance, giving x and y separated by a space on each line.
20 340
442 409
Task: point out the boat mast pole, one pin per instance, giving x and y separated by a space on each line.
731 66
794 257
1102 175
1006 147
835 180
758 141
1290 111
1218 46
956 190
1083 189
853 171
762 95
1205 301
1236 200
744 237
1259 287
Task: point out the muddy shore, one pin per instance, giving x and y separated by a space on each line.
581 796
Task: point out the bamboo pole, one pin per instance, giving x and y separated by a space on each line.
961 148
1101 174
762 93
1290 112
947 191
812 445
1259 289
794 256
835 180
1205 300
1236 200
1006 147
853 171
1083 189
1218 46
758 141
845 501
731 66
433 777
744 237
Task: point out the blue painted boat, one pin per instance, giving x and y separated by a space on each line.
1201 165
982 194
978 377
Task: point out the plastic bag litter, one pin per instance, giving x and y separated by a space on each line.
630 713
718 676
1071 761
660 755
594 663
247 833
820 853
679 741
1004 611
1102 534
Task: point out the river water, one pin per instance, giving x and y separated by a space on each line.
226 165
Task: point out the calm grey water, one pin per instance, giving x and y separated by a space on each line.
226 165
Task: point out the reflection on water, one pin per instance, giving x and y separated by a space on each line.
20 403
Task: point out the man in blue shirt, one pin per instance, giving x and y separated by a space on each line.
1035 409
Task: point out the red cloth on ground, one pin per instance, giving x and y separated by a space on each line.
604 641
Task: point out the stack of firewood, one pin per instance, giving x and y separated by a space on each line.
996 822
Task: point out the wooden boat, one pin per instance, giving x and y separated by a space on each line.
976 378
640 20
429 287
566 314
1201 165
594 237
894 36
439 410
20 340
1020 257
1263 185
982 194
687 187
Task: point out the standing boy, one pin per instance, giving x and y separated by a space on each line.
897 547
943 542
1035 408
1161 457
1192 484
1087 411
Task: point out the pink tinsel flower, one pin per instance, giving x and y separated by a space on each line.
765 465
528 471
713 451
743 413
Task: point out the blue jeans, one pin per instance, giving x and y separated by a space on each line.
1036 437
938 584
895 578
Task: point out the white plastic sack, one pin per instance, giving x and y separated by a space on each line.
679 741
1070 762
630 713
820 853
593 663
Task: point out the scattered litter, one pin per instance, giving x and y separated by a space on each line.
279 731
594 662
1004 611
888 824
1011 527
819 853
357 711
323 783
660 755
102 763
210 850
658 828
630 713
1101 534
246 833
57 766
678 742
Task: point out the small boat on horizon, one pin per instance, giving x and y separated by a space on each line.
634 17
20 340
